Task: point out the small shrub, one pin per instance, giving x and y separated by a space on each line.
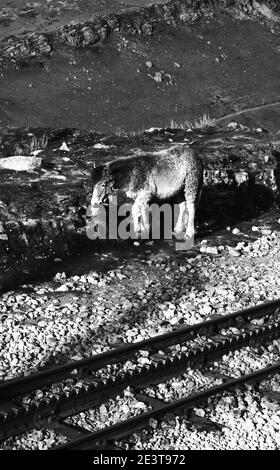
18 150
35 143
204 122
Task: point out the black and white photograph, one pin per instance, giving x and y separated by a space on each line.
139 229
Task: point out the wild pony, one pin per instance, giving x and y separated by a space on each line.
176 171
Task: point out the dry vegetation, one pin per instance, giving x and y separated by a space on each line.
203 122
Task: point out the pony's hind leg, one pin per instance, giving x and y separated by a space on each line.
190 205
193 186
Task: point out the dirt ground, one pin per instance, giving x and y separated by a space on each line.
210 69
216 67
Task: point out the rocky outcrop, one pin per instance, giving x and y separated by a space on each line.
83 34
43 212
26 46
146 21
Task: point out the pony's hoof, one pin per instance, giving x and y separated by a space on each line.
189 234
178 230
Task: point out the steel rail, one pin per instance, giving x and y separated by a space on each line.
22 385
18 420
125 428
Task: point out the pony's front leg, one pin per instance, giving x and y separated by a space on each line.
181 222
140 212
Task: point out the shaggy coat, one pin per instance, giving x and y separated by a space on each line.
159 175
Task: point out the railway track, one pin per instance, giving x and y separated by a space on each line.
92 383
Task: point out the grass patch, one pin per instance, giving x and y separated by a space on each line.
122 133
203 122
38 143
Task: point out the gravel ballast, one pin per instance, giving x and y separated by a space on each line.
72 317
